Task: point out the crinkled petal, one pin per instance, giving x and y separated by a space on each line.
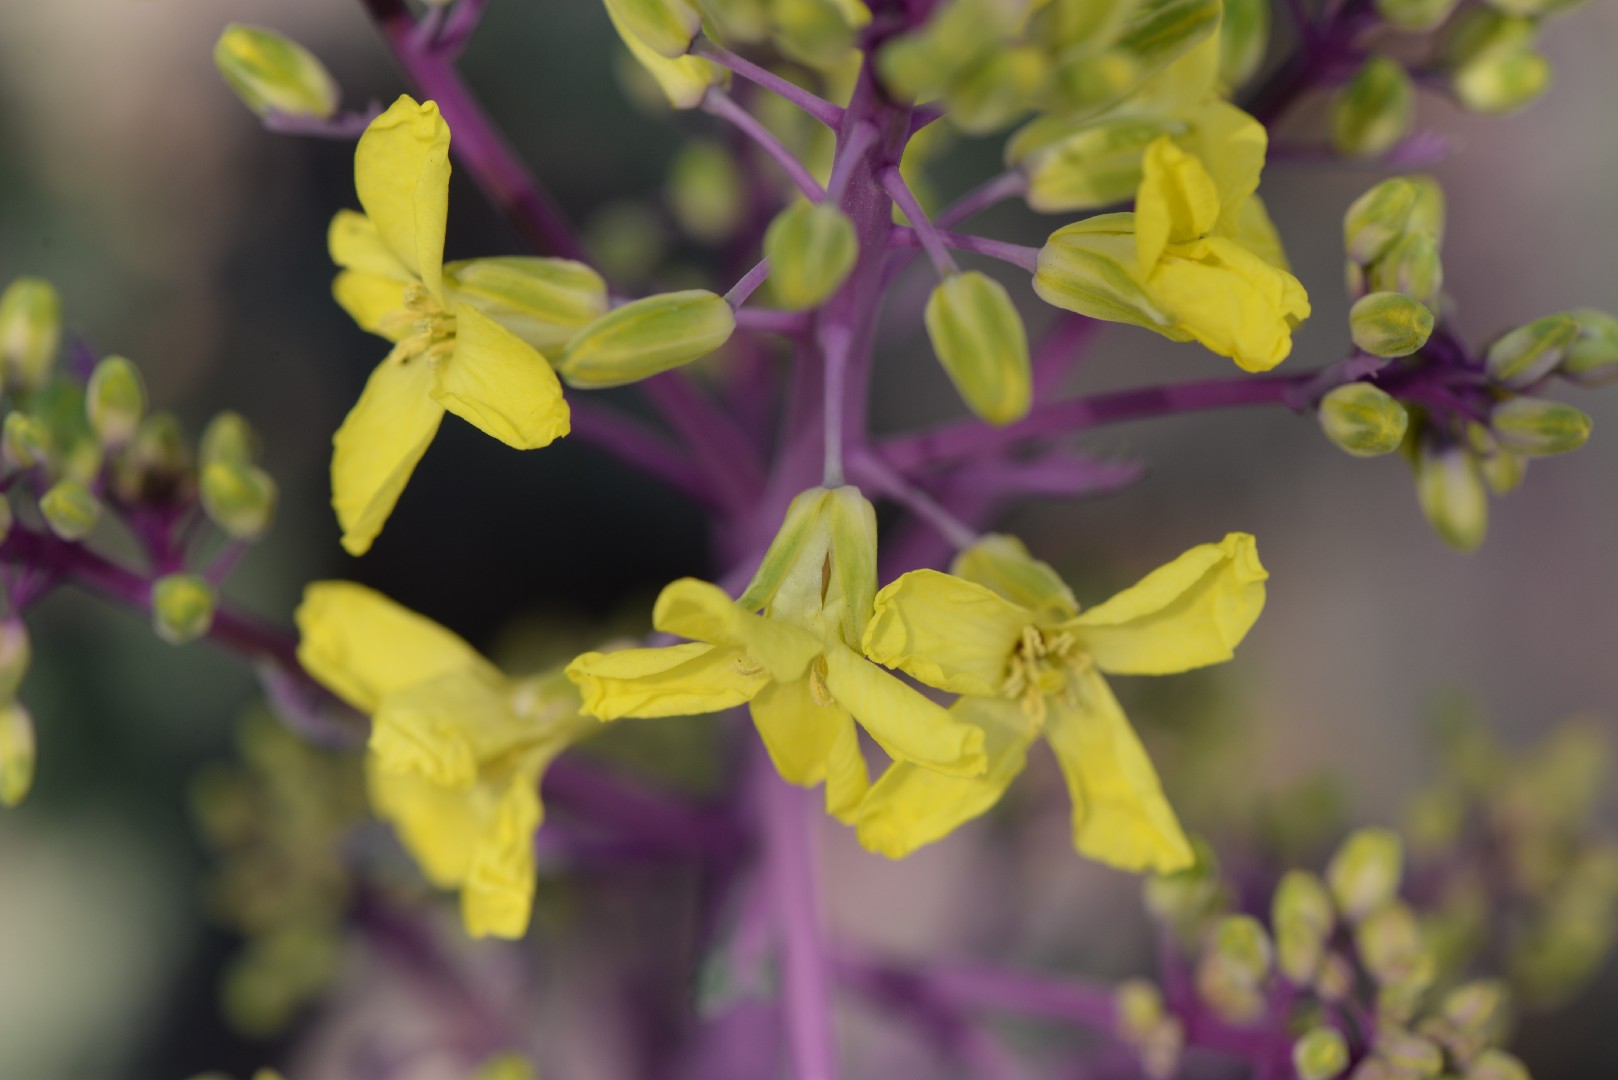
1232 145
1187 614
1176 202
498 383
1230 300
703 612
679 680
945 631
436 825
498 894
378 446
354 244
903 722
809 743
401 171
369 299
445 728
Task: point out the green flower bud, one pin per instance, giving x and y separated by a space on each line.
667 27
1473 1017
238 498
1429 211
1301 914
1241 942
1389 324
1158 32
1321 1054
30 331
746 21
1233 970
182 607
1484 30
1363 420
156 465
1364 873
1416 16
1244 38
1094 74
826 548
1082 167
1390 944
70 509
506 1067
1087 268
24 442
1539 428
705 191
18 751
812 248
543 301
1186 896
1375 110
1496 1065
115 401
229 438
685 80
1139 1007
1592 359
998 90
16 652
979 338
271 73
1503 471
645 337
1378 218
1529 353
1450 491
1412 267
959 36
1409 1055
814 32
1502 82
1336 978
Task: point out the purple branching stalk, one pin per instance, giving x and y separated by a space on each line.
817 107
718 103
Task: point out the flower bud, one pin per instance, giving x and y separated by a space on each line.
182 608
1416 16
1301 914
1184 897
979 338
1139 1008
115 401
1377 219
70 509
812 248
1450 491
1428 212
1086 268
272 73
705 191
1363 420
1321 1054
16 652
1527 354
1496 1065
1485 30
645 337
1539 428
1335 979
819 33
24 442
1592 359
543 301
1502 81
229 438
959 36
1389 324
684 80
1375 110
506 1067
1364 873
667 27
238 498
999 90
738 20
1244 38
18 751
1083 167
825 551
1412 267
1503 471
1389 942
1473 1017
156 466
1409 1055
30 331
1233 970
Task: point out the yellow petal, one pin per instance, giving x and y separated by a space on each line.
1253 230
1120 816
376 449
434 824
1232 146
810 742
695 609
498 895
369 299
1001 562
1187 614
679 680
445 728
355 245
1177 201
910 806
903 722
1230 300
363 646
945 631
500 384
401 171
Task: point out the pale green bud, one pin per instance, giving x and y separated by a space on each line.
506 1067
978 336
998 90
1159 32
646 337
1450 491
1000 562
1336 978
1429 211
30 331
1363 420
25 443
1082 167
1321 1054
1592 359
815 32
18 752
1536 9
1484 30
1412 267
1139 1007
1502 82
1503 471
16 652
1527 354
1416 16
959 36
182 607
667 27
1364 873
1378 218
738 20
1087 268
1496 1065
115 401
70 509
1186 896
1474 1016
1301 914
543 301
155 466
271 73
1375 110
822 563
229 438
1233 970
1538 428
1092 75
238 498
812 248
1241 942
684 80
705 191
1244 38
1389 324
1390 944
1409 1055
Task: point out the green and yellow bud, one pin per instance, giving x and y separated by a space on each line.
1412 266
1503 471
543 301
1592 359
1409 1055
1364 873
1244 38
16 652
1527 354
1389 324
238 498
1301 915
1496 1064
1390 944
70 509
1502 82
1321 1054
667 27
18 752
25 442
228 438
819 33
1429 212
1473 1017
1539 428
684 80
115 401
979 337
30 331
506 1067
1002 563
182 607
1415 16
705 191
1377 219
1138 1005
747 21
1450 490
1234 968
156 465
999 90
812 248
959 36
1363 420
1087 268
646 337
1084 166
1375 110
821 566
1185 897
271 73
1483 30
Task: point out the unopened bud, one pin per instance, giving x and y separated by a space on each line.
1486 30
1377 219
1139 1007
1409 1055
1375 110
1364 873
18 751
1412 267
998 90
667 27
646 337
1428 213
1474 1017
1503 81
1538 428
543 301
1233 969
705 191
156 466
70 509
684 80
1592 359
30 331
271 73
506 1067
1087 268
182 607
15 654
1389 324
738 20
115 401
240 499
24 442
1301 915
1244 38
812 248
1321 1054
229 438
1527 354
1416 16
1335 979
1503 471
1389 942
1363 420
979 338
1496 1065
1184 897
1241 942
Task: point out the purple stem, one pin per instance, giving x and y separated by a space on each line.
866 468
773 321
982 989
630 442
463 23
1008 185
718 103
815 106
721 448
921 230
348 125
748 284
1016 254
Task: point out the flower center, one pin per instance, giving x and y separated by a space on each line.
425 329
1040 667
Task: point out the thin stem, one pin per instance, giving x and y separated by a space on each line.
632 443
992 192
1016 254
748 284
343 126
817 107
463 22
718 103
921 229
868 468
774 321
982 989
835 341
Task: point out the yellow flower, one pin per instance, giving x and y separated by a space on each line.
446 355
456 750
1004 632
792 665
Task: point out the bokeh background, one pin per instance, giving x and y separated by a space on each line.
183 235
